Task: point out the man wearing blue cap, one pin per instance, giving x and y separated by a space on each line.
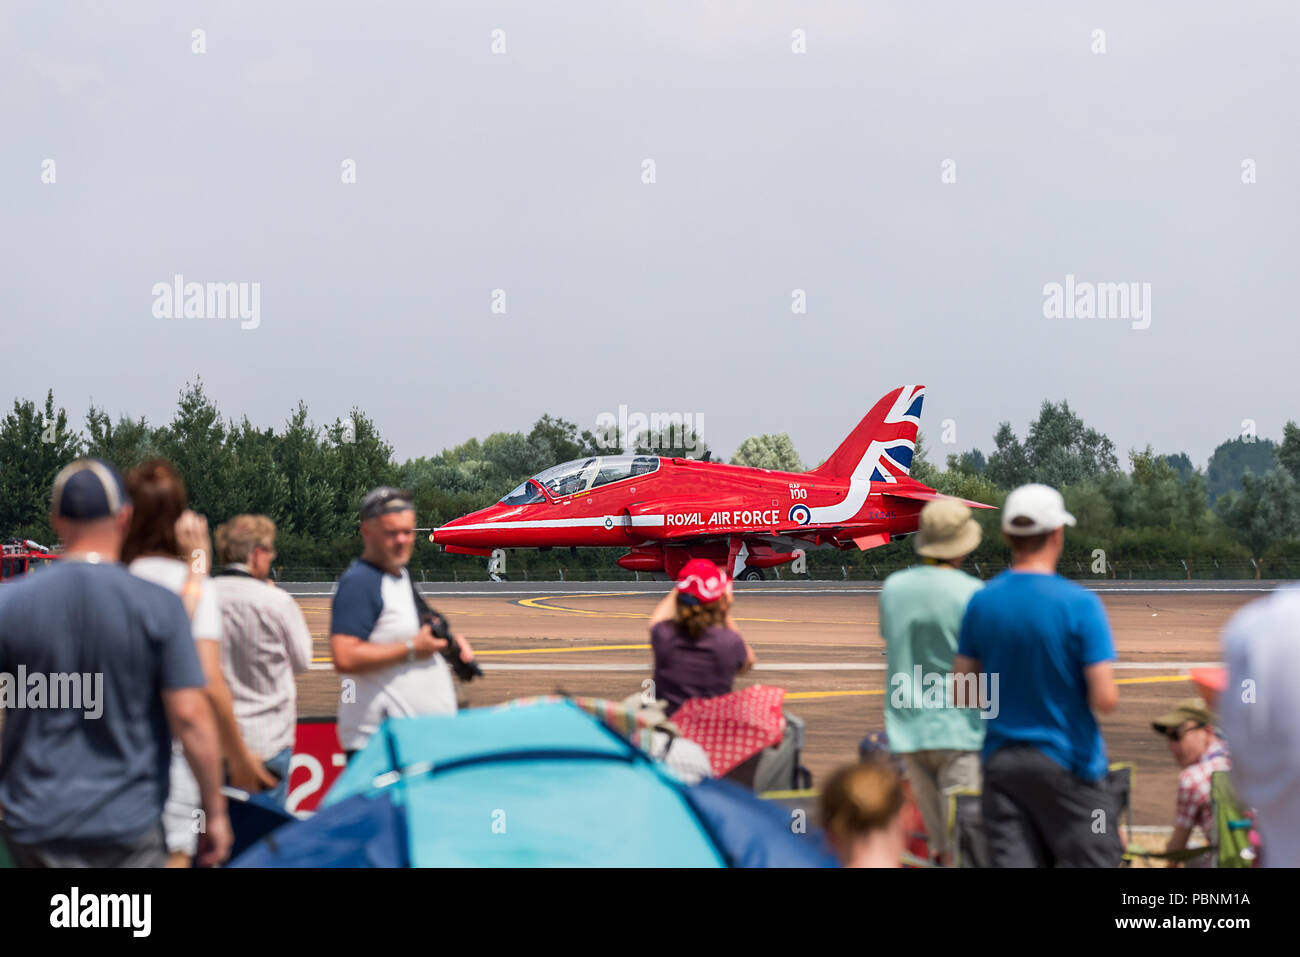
83 773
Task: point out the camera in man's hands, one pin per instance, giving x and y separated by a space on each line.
465 670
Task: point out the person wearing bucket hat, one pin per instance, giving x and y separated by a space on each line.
921 610
697 650
1190 729
1044 644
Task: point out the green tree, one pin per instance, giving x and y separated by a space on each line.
770 451
1288 453
967 463
560 441
301 462
1181 464
1233 459
512 456
126 444
358 459
1059 450
1160 498
1063 451
1264 512
967 485
685 443
35 444
1008 465
195 443
250 468
972 461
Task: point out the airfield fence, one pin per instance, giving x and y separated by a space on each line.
1202 569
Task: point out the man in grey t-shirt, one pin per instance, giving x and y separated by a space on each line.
95 664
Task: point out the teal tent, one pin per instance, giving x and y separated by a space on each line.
546 785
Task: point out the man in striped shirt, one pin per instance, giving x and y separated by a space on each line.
264 643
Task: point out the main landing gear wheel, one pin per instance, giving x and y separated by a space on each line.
751 575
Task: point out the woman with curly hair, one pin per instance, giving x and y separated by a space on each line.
697 650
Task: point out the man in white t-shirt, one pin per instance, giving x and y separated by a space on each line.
1260 718
389 663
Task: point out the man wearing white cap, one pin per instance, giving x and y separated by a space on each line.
921 611
1047 639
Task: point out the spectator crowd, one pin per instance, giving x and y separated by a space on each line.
198 655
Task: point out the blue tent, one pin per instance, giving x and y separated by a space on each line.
546 785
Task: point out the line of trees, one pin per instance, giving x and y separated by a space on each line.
1245 505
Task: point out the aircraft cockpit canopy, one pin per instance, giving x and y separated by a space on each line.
526 494
582 475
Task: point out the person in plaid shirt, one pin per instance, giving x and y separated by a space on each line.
1194 743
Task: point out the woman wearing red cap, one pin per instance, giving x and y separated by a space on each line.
697 650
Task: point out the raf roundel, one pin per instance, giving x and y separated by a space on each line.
800 515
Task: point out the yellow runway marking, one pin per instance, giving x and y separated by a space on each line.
1151 680
543 651
558 651
788 795
810 695
790 696
534 603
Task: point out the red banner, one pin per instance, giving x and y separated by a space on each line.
317 760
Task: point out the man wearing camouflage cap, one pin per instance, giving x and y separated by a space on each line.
1190 729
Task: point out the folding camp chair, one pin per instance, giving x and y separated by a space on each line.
1233 825
776 768
966 829
1233 844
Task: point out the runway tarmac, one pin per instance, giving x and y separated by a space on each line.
818 640
1101 586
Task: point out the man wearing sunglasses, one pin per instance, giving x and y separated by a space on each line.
1190 732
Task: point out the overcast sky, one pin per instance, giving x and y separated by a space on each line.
774 171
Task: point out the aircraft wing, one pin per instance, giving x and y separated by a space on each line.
841 536
926 495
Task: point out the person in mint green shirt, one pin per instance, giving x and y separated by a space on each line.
921 612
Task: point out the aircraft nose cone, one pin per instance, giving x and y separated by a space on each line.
452 533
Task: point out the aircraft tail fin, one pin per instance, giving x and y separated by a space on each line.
880 449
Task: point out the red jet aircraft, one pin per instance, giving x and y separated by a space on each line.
666 511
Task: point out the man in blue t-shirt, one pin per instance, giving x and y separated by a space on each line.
97 670
1044 643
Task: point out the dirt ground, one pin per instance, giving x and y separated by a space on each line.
1167 630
